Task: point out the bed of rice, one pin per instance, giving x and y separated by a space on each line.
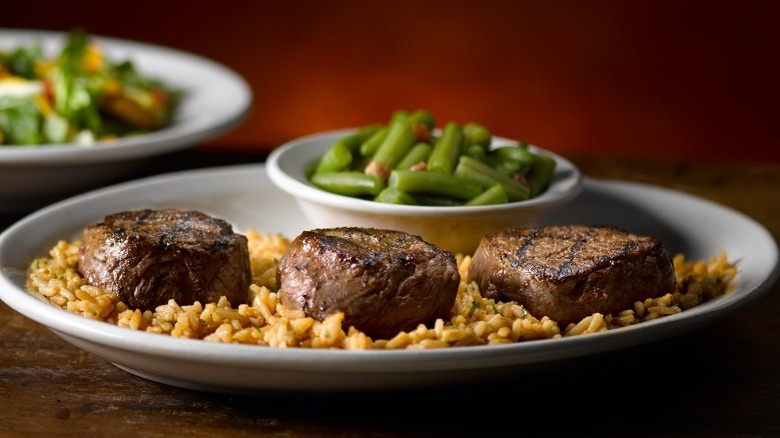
264 321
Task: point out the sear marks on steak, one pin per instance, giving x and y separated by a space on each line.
572 271
151 256
383 281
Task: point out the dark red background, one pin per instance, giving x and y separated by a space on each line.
691 79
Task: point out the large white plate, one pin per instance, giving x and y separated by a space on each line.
244 196
216 100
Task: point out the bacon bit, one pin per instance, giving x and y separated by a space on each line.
48 91
377 169
421 166
519 177
422 132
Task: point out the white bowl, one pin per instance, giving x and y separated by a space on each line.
457 229
216 99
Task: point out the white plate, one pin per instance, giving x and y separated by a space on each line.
216 100
244 196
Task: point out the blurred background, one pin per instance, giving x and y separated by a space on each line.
685 79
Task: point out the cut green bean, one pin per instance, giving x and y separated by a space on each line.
495 194
477 134
409 161
392 195
506 167
338 157
349 183
447 149
511 160
516 153
434 183
540 174
354 141
399 140
398 115
359 163
422 124
372 143
510 164
419 153
476 152
475 171
424 118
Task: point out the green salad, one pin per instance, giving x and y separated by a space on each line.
411 161
78 96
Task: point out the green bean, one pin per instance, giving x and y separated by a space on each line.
540 174
403 161
398 115
434 183
355 140
495 194
516 153
424 118
505 166
477 134
447 149
476 152
338 157
399 140
371 144
392 195
511 160
419 153
475 171
359 163
349 183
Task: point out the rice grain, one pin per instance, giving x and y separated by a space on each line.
264 321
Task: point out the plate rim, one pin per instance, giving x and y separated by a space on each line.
373 361
168 139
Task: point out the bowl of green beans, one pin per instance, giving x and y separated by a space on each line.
448 184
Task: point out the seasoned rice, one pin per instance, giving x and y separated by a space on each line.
474 320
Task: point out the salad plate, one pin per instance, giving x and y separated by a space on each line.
244 196
215 99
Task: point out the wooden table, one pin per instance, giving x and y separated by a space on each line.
723 380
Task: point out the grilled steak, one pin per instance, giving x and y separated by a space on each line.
384 281
151 256
570 272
